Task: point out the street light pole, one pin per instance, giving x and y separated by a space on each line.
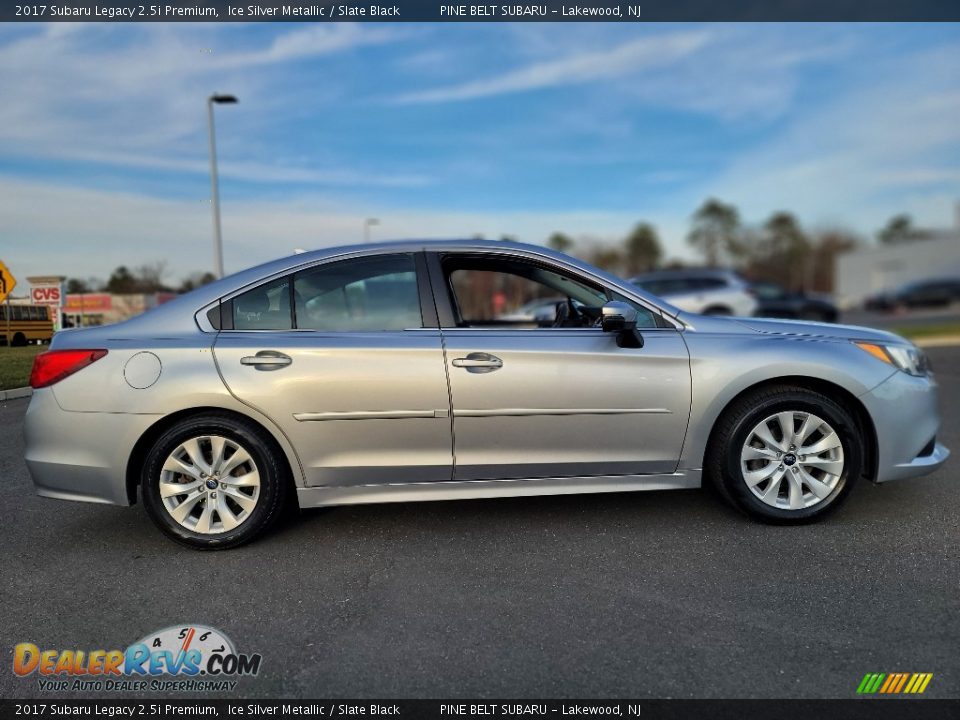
214 182
367 224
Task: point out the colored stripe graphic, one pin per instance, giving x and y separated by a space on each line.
894 683
903 679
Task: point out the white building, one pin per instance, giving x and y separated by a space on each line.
863 272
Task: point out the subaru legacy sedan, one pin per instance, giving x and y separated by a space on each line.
402 372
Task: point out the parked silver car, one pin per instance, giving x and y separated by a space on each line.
710 291
386 372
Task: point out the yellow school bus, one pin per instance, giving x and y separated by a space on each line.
26 324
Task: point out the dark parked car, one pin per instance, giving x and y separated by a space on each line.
776 301
936 292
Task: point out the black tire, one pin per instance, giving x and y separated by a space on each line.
19 340
266 456
722 463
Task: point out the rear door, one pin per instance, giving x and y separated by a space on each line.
346 358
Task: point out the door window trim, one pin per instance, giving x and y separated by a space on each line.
445 304
219 315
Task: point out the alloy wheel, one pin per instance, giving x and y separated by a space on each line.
792 460
209 484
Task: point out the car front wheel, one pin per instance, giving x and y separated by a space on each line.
213 482
785 454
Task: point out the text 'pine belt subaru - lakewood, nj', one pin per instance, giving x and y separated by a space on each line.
418 371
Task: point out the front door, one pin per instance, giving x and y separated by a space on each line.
338 356
537 397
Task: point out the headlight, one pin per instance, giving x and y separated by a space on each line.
908 358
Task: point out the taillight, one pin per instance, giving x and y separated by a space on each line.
54 365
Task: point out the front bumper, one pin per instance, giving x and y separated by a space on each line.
905 416
80 455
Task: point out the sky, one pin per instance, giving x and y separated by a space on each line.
457 130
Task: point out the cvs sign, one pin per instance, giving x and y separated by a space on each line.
45 295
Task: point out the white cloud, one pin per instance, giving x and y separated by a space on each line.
137 92
312 41
629 57
251 171
862 158
92 231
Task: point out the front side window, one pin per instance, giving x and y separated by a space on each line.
511 293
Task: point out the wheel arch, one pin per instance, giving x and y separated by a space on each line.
824 387
142 447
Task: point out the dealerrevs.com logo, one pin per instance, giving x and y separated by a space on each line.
188 658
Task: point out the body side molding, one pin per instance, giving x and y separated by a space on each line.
469 489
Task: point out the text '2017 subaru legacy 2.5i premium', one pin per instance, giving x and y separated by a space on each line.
394 372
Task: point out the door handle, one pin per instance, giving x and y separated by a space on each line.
267 360
479 363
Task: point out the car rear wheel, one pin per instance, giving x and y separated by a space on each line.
785 454
214 482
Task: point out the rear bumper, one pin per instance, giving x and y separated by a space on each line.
79 455
906 420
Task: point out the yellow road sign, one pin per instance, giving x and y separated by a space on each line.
7 282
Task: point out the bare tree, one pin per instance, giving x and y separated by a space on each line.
785 250
899 229
828 245
716 231
150 277
642 249
195 280
607 258
560 242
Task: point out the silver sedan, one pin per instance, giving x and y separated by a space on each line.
402 372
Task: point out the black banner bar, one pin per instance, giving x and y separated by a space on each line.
455 11
852 709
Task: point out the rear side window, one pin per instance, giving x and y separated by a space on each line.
362 295
266 307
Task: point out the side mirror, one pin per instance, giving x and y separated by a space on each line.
621 318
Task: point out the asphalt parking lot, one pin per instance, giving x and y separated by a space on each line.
667 594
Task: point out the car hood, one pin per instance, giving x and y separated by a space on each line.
792 328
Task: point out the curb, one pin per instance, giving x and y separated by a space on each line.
14 393
941 341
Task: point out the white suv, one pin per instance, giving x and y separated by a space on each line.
702 290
